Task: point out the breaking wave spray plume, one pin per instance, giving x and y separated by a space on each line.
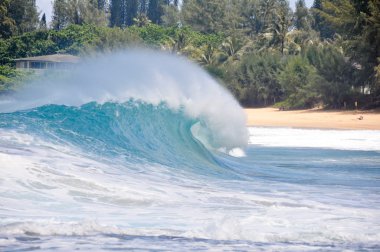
140 150
142 78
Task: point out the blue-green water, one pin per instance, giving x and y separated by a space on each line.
133 176
115 158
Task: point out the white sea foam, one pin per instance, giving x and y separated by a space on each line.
54 190
315 138
147 76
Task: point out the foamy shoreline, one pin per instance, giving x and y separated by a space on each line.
351 120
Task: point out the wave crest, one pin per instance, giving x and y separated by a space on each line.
149 77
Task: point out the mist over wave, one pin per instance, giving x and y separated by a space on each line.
146 76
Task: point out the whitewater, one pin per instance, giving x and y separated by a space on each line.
145 151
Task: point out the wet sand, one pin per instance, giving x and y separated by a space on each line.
314 118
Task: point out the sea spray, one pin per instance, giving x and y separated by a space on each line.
149 77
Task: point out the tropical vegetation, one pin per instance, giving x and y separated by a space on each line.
263 51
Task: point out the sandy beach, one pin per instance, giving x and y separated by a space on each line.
314 118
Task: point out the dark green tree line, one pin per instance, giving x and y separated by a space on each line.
265 52
17 17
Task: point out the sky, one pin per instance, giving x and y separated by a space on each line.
45 6
309 3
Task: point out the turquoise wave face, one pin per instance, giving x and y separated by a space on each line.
134 132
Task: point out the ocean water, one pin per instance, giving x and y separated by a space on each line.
115 158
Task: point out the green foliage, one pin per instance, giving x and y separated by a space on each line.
7 24
43 25
74 39
217 72
156 10
319 24
341 16
264 53
132 11
116 13
24 13
129 12
60 14
28 44
368 49
152 34
358 23
80 12
210 16
280 24
298 81
171 16
254 80
338 79
302 18
11 78
17 16
101 4
252 21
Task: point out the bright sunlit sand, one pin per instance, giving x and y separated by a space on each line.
355 120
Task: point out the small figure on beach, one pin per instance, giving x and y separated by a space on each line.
360 117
